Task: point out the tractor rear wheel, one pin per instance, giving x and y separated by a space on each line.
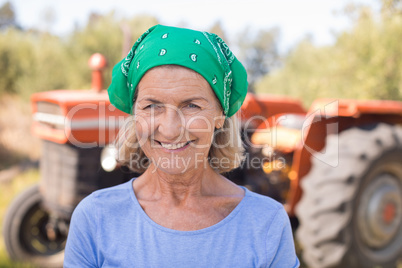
351 215
26 232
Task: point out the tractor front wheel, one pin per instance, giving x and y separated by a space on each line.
351 214
30 234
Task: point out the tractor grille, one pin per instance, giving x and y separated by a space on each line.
69 173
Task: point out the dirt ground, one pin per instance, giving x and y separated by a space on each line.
16 142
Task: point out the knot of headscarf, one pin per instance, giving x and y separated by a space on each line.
206 53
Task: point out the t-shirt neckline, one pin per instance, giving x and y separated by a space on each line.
211 228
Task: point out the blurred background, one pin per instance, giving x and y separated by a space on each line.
305 49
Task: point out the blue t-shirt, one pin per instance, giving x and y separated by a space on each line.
110 229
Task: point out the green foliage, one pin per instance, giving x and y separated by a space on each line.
102 34
45 68
32 61
16 52
364 63
258 52
7 15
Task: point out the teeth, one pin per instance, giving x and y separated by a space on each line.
171 146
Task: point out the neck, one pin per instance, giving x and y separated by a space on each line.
176 188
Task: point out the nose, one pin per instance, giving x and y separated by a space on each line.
171 125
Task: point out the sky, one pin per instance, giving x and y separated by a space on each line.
296 19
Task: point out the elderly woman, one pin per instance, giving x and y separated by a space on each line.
183 88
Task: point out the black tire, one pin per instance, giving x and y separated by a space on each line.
24 232
351 215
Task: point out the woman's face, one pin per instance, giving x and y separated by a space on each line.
176 114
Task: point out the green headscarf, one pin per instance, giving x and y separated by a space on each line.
203 52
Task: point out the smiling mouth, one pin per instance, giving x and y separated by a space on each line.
174 146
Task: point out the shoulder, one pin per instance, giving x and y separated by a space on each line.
118 192
111 198
258 202
264 210
87 223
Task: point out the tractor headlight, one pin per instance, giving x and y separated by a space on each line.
108 158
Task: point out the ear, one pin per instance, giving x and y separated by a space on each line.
219 120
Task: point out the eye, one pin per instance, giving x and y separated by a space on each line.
193 106
153 106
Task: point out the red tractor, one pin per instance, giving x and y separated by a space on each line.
342 163
337 168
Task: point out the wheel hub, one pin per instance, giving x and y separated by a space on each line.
380 211
389 213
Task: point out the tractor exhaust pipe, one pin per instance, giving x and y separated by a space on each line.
97 63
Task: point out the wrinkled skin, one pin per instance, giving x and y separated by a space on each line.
180 190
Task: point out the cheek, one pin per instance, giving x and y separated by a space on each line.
200 126
143 128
